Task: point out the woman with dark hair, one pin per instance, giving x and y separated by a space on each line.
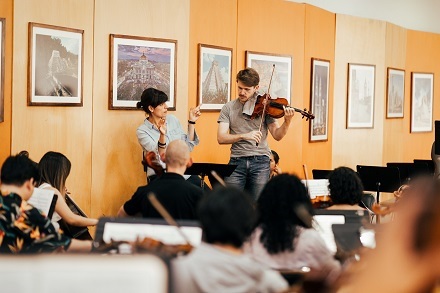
283 239
218 264
54 169
160 128
346 189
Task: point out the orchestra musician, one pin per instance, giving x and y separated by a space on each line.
160 128
177 195
249 150
24 228
218 264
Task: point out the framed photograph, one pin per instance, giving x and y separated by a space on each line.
55 66
214 76
263 63
421 101
360 105
319 99
395 93
138 63
2 69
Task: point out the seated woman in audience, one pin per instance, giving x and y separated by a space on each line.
346 189
227 217
54 170
283 239
407 253
274 160
23 228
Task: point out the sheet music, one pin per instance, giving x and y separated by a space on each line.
42 199
323 224
317 187
164 233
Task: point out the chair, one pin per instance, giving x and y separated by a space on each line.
321 173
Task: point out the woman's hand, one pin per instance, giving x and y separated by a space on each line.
194 113
162 126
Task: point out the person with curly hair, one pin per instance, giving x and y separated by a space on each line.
283 238
346 189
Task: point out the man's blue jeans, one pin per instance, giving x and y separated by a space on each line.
251 174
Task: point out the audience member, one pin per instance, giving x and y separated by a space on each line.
54 170
23 228
346 189
274 168
407 250
227 217
178 196
283 239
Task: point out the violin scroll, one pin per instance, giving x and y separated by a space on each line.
305 113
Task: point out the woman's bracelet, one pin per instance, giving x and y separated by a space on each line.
191 122
161 145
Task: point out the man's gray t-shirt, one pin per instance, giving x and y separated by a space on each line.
232 113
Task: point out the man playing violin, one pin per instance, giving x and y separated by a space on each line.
249 150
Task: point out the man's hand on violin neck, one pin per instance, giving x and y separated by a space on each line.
288 113
254 135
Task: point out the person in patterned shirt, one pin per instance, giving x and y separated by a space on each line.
23 228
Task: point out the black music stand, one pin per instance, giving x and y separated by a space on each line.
429 163
203 169
409 171
321 173
379 179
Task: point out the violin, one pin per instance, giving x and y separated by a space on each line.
151 160
145 245
275 108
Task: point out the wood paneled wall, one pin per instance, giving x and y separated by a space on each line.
319 42
360 41
6 8
221 19
117 169
63 129
102 143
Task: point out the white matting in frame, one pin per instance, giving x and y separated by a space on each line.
360 106
319 99
138 63
56 65
395 93
214 76
421 101
280 86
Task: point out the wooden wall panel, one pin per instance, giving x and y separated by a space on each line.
6 8
217 27
272 26
319 42
117 169
63 129
358 40
422 51
395 129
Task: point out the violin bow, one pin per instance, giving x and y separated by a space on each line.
164 213
263 116
218 178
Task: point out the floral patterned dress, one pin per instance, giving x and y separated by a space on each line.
24 229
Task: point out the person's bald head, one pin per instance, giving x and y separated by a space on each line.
177 154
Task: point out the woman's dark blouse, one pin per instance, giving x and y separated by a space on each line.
24 229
